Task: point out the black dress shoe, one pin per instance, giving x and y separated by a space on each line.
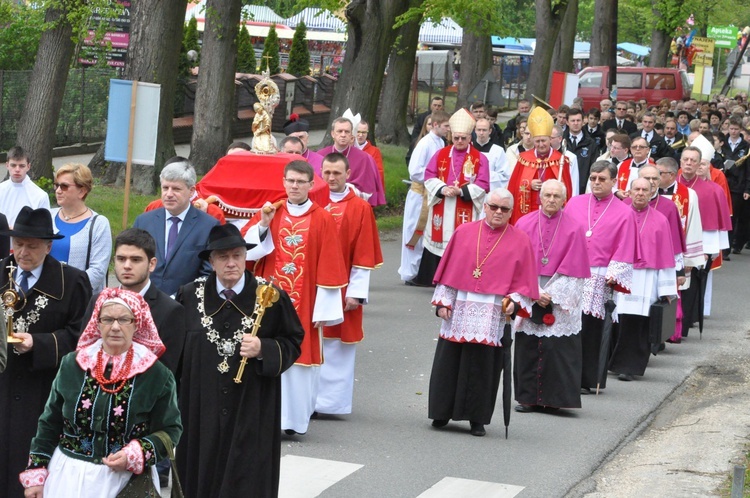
585 390
525 408
625 377
439 423
737 251
477 429
290 432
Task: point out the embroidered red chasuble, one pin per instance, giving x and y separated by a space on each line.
527 200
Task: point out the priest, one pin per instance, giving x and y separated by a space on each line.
612 249
654 279
300 128
547 368
456 180
536 166
485 261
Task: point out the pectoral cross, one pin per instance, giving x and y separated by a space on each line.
477 272
455 182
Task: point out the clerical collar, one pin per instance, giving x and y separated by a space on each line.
344 151
360 146
605 198
551 217
486 222
638 165
298 209
480 144
339 196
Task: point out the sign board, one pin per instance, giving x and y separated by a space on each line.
705 51
725 36
116 40
146 122
704 78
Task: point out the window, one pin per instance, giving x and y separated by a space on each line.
590 80
660 81
629 80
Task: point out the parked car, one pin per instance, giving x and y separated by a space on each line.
633 83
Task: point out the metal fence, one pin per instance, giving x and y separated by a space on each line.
83 116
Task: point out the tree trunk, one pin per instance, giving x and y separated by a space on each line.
601 39
476 59
370 36
391 127
660 41
215 95
153 57
41 109
548 22
562 56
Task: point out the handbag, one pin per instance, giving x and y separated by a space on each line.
662 317
142 485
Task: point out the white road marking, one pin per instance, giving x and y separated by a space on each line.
453 487
303 477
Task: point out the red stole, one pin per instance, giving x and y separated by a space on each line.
681 198
464 209
623 172
527 200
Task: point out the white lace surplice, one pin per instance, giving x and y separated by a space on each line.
566 295
476 317
596 292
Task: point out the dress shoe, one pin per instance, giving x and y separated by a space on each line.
625 377
314 416
736 251
674 341
290 432
525 408
726 258
439 423
477 429
585 390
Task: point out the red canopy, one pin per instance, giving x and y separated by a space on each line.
244 181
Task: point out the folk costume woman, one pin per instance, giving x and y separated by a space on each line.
109 398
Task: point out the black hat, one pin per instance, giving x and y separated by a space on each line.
223 237
295 124
33 224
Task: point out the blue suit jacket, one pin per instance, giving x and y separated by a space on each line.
183 265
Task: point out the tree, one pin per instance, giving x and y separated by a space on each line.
549 17
299 55
245 52
270 58
215 95
477 47
562 56
190 42
19 35
391 127
156 34
603 39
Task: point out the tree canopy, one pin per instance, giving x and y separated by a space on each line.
299 55
20 32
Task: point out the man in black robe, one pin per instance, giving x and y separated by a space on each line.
231 444
47 319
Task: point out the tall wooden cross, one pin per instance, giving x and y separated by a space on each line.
268 64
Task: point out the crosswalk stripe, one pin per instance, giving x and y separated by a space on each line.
303 477
453 487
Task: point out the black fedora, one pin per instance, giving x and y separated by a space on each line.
33 224
223 237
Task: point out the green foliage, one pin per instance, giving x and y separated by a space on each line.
245 52
270 58
20 32
189 42
299 55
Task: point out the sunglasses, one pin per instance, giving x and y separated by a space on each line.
495 207
62 186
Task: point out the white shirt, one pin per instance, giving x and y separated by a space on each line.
421 155
237 287
32 280
14 196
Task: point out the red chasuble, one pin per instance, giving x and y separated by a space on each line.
301 262
374 152
527 200
360 244
623 172
464 209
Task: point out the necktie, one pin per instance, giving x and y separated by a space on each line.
619 123
173 231
669 141
229 294
23 283
573 142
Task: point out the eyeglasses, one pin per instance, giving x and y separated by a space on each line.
296 182
362 132
639 146
109 321
599 179
62 186
621 108
495 207
460 139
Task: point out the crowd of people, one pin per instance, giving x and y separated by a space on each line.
221 336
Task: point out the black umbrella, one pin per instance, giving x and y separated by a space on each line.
702 283
609 307
506 342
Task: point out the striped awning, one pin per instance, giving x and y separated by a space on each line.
446 32
251 13
317 20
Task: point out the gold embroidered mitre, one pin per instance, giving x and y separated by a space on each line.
462 122
540 123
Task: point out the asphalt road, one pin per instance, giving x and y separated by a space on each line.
401 455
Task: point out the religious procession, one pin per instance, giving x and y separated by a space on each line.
195 349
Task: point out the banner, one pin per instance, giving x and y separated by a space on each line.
148 96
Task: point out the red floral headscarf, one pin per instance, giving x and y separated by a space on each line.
145 330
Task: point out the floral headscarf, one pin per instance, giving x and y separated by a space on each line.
145 329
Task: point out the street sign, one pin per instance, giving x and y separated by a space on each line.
725 36
705 51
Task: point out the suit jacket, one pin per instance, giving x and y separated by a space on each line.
586 152
169 318
183 265
659 147
628 126
4 239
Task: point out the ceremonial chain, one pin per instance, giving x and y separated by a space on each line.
591 227
545 259
23 323
225 347
478 270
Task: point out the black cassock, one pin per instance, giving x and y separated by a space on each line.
26 383
231 443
